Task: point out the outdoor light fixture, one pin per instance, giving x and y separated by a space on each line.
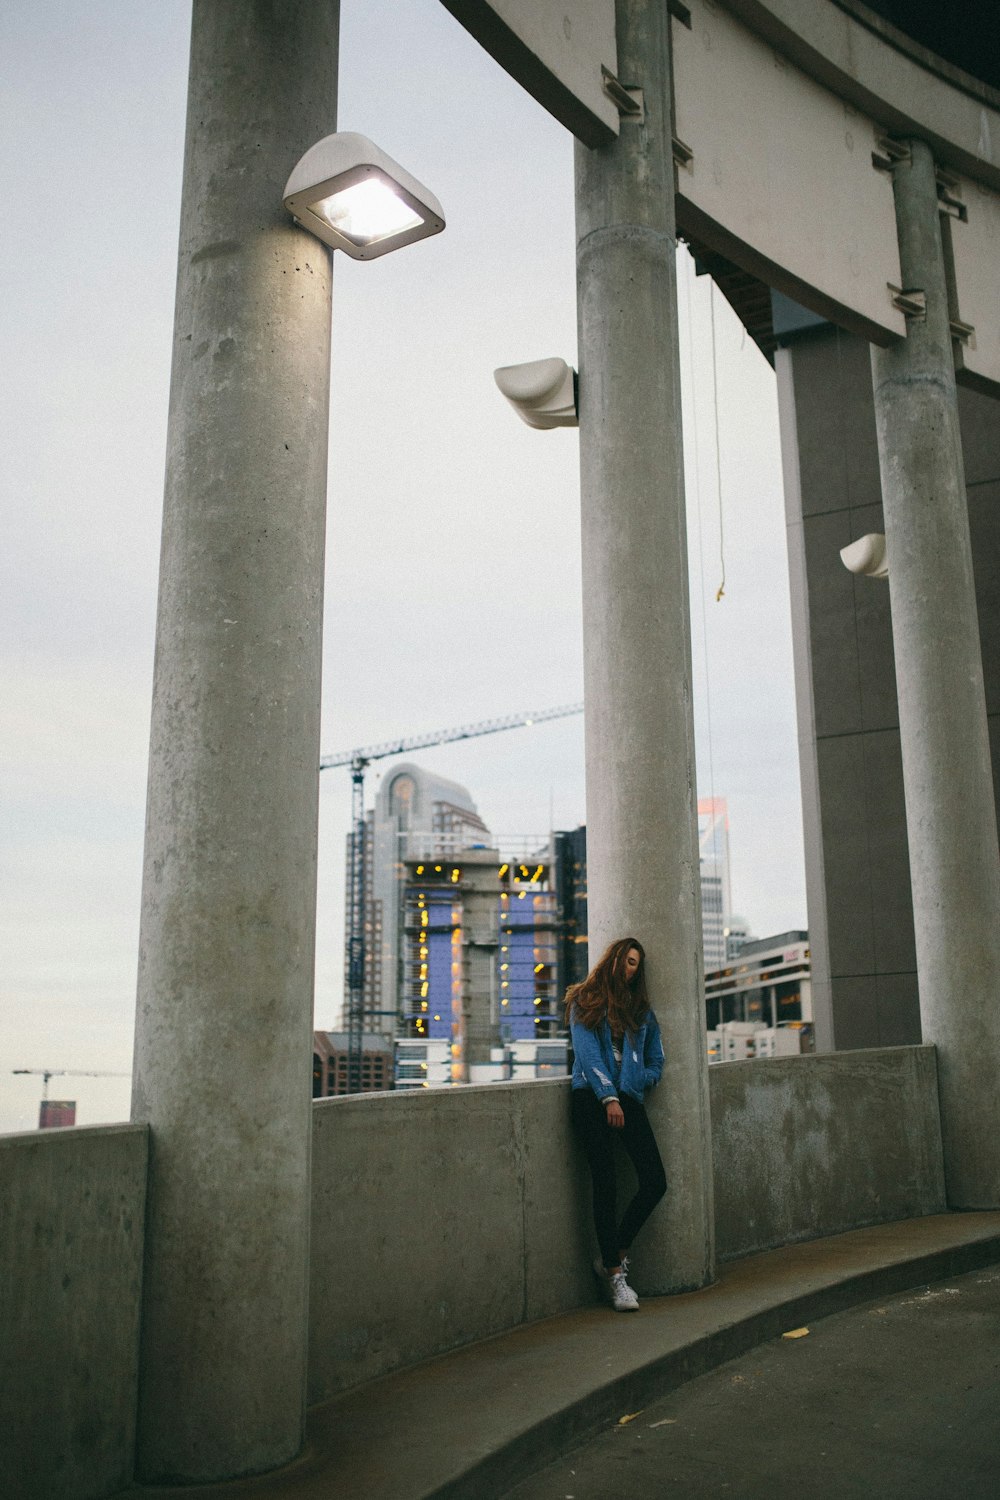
543 392
866 556
352 196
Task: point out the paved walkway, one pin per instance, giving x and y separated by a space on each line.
899 1398
472 1424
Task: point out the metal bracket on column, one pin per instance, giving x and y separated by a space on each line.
913 304
889 153
963 333
948 200
683 154
680 11
628 101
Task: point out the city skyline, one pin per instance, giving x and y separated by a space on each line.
453 585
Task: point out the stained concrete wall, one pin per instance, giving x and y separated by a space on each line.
71 1232
439 1217
857 860
442 1218
810 1146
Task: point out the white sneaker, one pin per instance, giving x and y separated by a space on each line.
623 1299
616 1288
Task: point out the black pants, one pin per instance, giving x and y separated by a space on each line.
598 1140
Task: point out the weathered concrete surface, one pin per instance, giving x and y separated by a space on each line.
471 1424
809 1146
72 1204
822 1415
227 940
857 863
450 1216
439 1218
947 768
642 851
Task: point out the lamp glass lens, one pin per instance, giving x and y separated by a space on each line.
367 212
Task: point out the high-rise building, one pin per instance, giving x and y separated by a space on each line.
418 815
570 850
768 986
737 934
479 955
331 1059
571 890
713 852
55 1114
461 962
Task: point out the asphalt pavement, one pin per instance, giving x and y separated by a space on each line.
897 1398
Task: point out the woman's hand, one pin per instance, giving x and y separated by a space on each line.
615 1114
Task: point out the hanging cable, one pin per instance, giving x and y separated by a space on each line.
718 462
701 548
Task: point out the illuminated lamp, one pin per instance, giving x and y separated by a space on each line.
355 198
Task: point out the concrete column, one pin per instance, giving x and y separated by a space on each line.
642 847
224 1021
947 776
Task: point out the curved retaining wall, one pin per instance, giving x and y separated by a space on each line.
438 1218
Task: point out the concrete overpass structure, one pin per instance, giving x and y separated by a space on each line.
167 1264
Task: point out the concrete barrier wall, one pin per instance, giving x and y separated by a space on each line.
809 1146
72 1205
439 1218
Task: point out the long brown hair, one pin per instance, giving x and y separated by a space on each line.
606 992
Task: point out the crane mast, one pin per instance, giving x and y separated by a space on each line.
359 760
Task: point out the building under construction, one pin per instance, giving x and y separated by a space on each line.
461 958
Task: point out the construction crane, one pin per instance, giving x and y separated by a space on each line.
359 760
46 1073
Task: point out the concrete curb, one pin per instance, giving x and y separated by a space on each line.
563 1430
471 1424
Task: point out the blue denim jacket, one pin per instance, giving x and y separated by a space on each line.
594 1065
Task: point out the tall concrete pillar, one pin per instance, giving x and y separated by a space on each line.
222 1057
947 775
642 848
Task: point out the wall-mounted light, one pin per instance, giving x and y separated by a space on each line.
542 392
348 193
866 556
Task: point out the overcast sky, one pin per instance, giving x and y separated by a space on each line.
453 575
